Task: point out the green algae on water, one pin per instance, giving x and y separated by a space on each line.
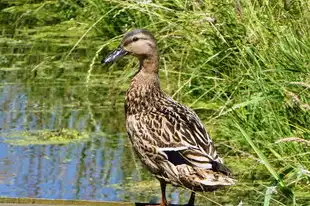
45 137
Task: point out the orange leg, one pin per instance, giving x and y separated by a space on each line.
163 193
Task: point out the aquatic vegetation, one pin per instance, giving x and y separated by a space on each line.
45 137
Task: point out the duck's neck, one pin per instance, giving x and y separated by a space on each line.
147 76
144 90
149 64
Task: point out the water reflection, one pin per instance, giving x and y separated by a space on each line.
73 171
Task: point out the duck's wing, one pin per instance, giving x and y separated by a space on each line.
182 137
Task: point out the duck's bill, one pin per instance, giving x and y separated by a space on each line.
115 55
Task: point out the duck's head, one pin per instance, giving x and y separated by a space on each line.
139 42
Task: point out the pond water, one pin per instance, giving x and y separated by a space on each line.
71 171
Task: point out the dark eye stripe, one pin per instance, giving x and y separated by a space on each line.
134 39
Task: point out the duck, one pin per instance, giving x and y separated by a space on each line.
168 137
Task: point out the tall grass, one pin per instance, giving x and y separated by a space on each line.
244 66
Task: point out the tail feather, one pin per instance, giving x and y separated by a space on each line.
217 180
200 179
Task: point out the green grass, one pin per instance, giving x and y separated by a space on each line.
247 74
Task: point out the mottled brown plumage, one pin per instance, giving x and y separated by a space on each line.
168 137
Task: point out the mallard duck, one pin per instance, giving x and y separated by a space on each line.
168 137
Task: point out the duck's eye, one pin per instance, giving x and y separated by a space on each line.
135 38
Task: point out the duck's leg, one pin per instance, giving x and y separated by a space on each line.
163 193
191 199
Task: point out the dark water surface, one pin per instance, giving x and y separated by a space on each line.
79 170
